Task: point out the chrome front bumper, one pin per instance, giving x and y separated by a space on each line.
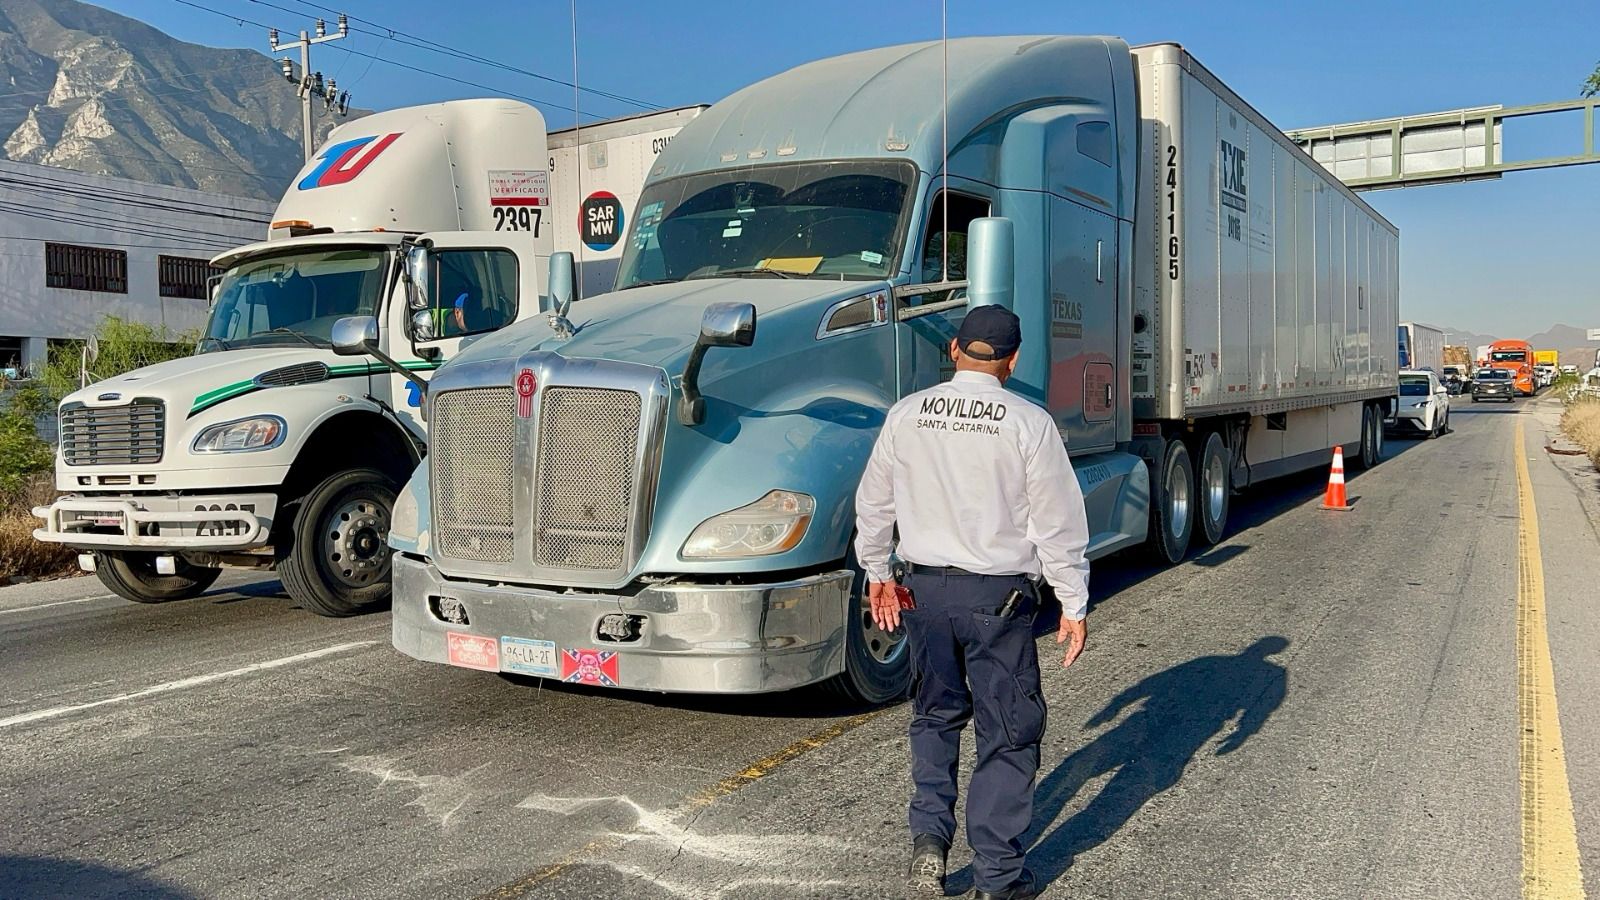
195 522
692 638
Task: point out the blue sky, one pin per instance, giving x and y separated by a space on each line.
1509 257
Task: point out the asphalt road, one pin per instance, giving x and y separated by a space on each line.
1324 705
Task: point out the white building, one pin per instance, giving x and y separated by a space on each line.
75 248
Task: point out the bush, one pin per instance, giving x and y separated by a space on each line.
22 453
20 554
123 347
1581 422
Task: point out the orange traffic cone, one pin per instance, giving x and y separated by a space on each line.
1334 498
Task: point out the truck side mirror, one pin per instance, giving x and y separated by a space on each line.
419 275
722 325
991 262
355 335
563 275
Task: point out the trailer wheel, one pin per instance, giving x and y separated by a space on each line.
1172 506
1371 439
133 576
336 562
877 664
1216 486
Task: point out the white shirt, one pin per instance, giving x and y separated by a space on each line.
978 478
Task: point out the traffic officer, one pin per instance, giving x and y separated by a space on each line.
978 480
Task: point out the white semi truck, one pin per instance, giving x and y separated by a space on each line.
1421 347
265 449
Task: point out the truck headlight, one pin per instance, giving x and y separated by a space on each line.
242 435
773 524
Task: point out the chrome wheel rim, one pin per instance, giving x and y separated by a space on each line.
356 542
1177 501
1216 487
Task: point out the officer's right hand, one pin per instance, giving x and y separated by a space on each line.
1076 631
885 606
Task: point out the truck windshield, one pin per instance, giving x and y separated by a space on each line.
1509 356
293 298
1412 386
836 220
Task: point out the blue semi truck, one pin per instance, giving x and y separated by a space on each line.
653 488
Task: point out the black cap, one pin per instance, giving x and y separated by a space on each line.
989 333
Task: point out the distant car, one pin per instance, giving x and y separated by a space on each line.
1493 384
1424 405
1569 370
1455 379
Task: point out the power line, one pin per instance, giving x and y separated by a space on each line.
422 43
391 62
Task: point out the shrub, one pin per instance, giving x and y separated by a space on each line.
123 347
20 554
1581 422
22 453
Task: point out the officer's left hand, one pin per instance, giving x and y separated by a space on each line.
885 606
1077 632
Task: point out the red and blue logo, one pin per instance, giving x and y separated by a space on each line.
343 161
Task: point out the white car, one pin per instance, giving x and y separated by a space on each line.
1424 405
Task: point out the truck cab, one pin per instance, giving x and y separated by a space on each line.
266 448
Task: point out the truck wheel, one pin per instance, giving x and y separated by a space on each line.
1172 506
1371 439
1216 484
877 664
133 576
336 561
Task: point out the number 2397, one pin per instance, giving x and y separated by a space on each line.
518 218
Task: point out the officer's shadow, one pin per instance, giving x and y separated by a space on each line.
1183 708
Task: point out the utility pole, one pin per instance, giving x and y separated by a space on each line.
309 84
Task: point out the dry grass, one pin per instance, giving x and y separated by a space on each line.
1581 422
20 554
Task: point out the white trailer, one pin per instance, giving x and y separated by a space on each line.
1265 297
592 203
1421 347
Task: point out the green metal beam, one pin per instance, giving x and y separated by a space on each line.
1397 129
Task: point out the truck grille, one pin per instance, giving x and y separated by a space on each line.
113 435
588 447
473 437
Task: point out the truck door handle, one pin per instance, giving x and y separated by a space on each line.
1108 393
1099 274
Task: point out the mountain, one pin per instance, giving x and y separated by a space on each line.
87 89
1576 349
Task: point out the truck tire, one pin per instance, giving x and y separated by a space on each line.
1371 452
133 576
336 559
877 665
1215 482
1172 506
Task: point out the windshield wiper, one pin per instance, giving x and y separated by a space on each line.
216 340
649 283
752 270
289 331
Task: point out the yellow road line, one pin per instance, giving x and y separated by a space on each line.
1550 866
749 775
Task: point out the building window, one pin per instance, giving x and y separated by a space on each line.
183 276
86 268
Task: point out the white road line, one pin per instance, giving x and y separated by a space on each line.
181 684
6 612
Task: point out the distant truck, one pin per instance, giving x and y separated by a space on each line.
1421 347
1517 358
1480 356
1457 355
268 450
654 489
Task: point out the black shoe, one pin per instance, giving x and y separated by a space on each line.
926 872
1023 888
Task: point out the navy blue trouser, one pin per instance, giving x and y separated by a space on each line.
968 663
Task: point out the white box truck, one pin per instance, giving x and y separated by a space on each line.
1203 305
1421 347
267 450
596 186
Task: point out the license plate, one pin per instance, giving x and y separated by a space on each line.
470 651
528 657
